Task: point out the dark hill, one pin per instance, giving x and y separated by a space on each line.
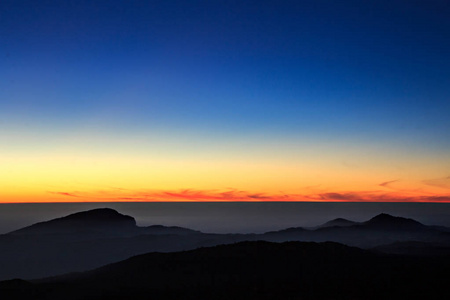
383 221
93 220
255 270
160 229
288 231
338 222
380 230
416 248
87 240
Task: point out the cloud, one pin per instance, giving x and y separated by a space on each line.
64 194
339 196
439 182
239 195
258 196
387 183
438 198
215 195
198 195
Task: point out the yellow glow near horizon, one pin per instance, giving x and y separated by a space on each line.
127 169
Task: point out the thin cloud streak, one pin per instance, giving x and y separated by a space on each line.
192 195
388 183
443 183
64 194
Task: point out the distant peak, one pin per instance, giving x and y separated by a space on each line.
97 214
338 222
91 219
386 219
384 216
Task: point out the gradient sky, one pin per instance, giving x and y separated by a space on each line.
224 100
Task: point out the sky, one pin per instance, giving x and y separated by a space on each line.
105 101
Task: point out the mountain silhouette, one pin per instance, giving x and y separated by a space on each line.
380 230
391 222
415 248
93 220
103 221
338 222
250 270
83 241
160 229
90 239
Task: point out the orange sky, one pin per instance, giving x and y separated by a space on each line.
254 171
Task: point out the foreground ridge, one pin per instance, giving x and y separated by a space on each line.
249 270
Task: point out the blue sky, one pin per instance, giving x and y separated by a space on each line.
253 62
